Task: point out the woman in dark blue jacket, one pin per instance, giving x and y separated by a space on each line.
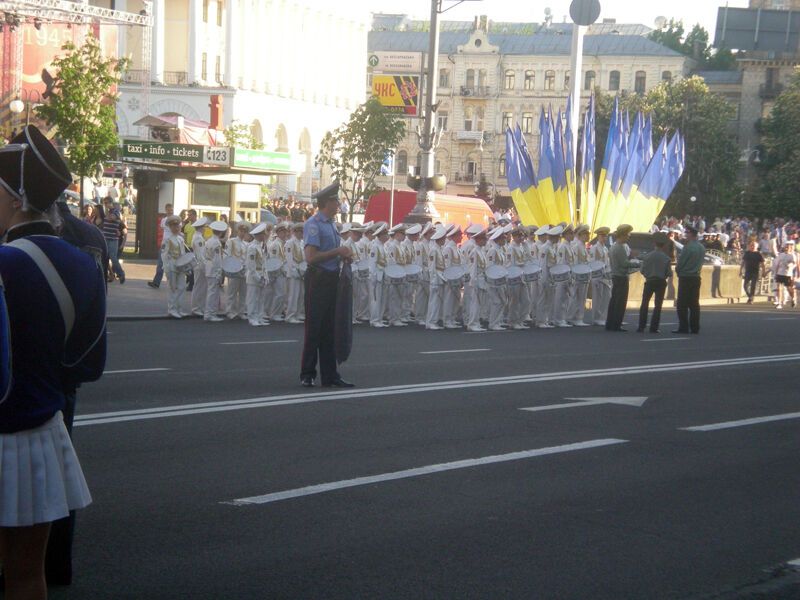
55 296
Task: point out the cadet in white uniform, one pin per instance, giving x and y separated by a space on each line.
498 295
359 252
547 259
237 287
256 276
275 249
395 255
466 250
172 248
377 268
293 249
436 267
519 300
213 262
421 255
578 307
200 289
452 293
601 288
411 233
477 288
565 255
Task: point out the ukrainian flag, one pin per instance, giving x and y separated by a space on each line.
588 204
547 173
648 203
563 201
569 145
530 183
514 176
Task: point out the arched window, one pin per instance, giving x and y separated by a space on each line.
509 80
470 81
589 81
613 81
530 80
666 76
549 80
401 163
444 78
502 170
640 83
469 118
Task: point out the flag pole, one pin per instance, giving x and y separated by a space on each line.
391 194
578 32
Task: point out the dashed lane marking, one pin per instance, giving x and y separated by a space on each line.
134 371
457 351
258 342
743 422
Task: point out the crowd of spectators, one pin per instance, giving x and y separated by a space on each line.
107 216
290 209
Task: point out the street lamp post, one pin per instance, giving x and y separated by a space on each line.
27 99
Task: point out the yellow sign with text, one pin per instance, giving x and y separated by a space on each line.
397 93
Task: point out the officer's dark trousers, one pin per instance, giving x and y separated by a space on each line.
750 283
618 303
320 301
657 288
688 304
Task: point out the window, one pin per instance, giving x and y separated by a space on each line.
479 118
589 81
613 81
509 80
567 79
204 67
469 116
640 82
502 170
482 78
444 78
470 82
401 163
530 80
666 76
472 170
527 122
205 11
508 120
441 120
220 5
549 80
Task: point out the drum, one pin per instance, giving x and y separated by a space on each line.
496 276
598 268
302 268
454 275
560 273
514 276
395 274
413 273
186 262
531 272
273 267
362 269
233 267
582 273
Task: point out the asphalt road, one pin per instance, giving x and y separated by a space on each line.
208 475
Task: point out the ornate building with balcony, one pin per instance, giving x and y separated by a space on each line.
494 75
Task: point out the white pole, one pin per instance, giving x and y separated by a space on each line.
391 195
578 31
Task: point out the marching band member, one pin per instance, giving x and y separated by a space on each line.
213 264
172 248
275 249
422 249
256 276
565 255
395 255
466 250
436 267
452 293
377 267
359 251
498 296
477 288
293 249
518 296
578 306
200 289
547 259
412 235
237 287
601 288
537 291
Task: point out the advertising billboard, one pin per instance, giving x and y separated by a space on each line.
397 93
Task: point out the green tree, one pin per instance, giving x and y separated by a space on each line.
670 36
695 45
779 166
82 107
239 135
703 118
355 151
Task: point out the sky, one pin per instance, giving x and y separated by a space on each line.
625 11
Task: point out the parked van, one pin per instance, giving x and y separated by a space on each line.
461 210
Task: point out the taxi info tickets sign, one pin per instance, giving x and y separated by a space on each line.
397 93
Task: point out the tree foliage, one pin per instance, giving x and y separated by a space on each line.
239 135
83 105
355 151
695 45
779 166
703 118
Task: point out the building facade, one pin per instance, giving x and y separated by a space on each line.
492 76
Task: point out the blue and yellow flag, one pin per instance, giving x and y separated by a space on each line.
514 175
588 192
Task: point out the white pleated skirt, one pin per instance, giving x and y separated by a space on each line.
40 477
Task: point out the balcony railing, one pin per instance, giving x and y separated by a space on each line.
467 178
469 136
176 78
134 76
476 91
769 91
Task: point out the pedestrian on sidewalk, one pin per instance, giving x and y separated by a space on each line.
688 268
656 269
111 231
785 267
752 268
156 282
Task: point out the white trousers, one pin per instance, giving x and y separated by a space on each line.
177 287
361 308
409 292
395 301
601 296
377 300
561 301
577 308
213 297
544 310
255 302
235 297
421 300
294 299
451 304
533 299
435 299
477 299
278 305
519 303
498 299
199 291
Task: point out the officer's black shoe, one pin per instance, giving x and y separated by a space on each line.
339 383
307 381
655 331
153 285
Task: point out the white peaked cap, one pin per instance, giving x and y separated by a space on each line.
414 229
427 228
201 222
454 230
260 228
497 233
543 230
219 226
557 230
398 227
379 229
346 227
508 228
440 233
474 229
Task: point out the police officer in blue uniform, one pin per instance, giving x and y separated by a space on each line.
324 254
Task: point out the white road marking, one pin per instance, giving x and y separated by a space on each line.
259 342
397 390
457 351
794 563
743 422
637 401
134 371
420 471
666 340
782 319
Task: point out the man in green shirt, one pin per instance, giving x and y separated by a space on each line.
619 256
690 263
656 270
